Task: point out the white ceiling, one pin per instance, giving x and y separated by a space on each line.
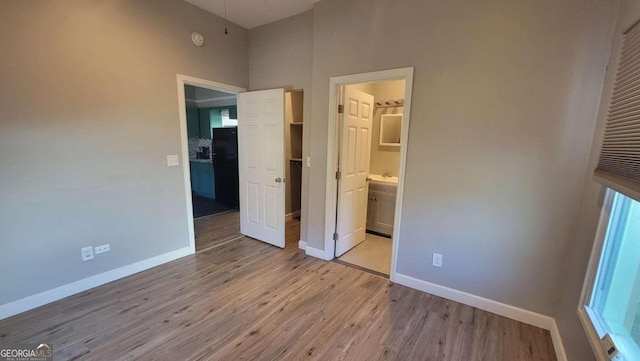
252 13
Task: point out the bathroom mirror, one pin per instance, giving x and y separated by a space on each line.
390 130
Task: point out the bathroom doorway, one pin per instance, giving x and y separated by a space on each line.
369 151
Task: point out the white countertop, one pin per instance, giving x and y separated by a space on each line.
377 178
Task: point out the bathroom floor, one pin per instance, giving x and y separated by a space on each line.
374 254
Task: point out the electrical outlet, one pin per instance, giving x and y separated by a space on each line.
437 260
102 249
87 253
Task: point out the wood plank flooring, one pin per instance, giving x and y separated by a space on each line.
245 300
216 229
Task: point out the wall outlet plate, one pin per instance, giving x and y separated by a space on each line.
102 249
437 260
86 253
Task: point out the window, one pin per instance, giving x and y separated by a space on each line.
226 121
612 303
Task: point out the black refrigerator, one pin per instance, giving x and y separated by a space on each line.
225 165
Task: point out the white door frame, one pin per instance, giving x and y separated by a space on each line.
184 140
335 84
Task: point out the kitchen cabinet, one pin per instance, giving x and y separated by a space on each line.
202 179
381 208
216 116
193 123
204 123
199 123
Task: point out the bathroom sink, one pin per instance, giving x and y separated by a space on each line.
377 178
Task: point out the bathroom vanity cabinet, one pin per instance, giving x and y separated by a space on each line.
381 208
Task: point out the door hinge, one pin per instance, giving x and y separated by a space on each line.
340 109
335 236
338 175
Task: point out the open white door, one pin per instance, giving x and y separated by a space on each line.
355 150
261 165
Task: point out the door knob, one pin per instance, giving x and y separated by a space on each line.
278 180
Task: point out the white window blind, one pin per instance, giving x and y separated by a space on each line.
619 165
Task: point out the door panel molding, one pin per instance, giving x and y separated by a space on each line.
352 187
261 165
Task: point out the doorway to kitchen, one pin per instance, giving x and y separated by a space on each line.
367 155
208 126
241 136
212 131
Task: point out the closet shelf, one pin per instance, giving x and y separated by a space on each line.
297 123
296 159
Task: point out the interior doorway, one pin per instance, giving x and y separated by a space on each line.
204 108
373 148
366 159
240 139
212 124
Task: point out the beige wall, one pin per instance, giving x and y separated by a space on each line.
88 113
280 56
502 120
385 157
382 157
592 195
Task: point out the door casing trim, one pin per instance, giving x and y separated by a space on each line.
183 80
335 84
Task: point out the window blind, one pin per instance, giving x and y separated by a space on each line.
619 164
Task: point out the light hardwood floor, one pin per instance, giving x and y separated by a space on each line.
245 300
216 229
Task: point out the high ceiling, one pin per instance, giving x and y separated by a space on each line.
252 13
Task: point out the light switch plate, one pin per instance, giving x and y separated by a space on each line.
87 253
308 162
173 160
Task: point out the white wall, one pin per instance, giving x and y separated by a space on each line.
592 195
502 119
88 113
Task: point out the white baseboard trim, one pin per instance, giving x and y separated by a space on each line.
502 309
558 345
58 293
317 253
302 245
